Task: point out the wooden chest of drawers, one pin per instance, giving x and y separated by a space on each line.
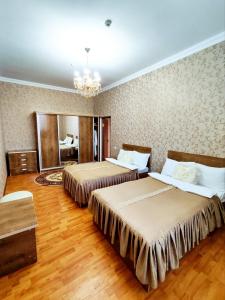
21 162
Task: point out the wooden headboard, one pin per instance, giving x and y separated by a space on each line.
201 159
141 149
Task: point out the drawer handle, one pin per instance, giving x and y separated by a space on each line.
23 164
24 169
23 159
24 154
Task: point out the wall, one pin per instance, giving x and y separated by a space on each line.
19 104
178 107
3 173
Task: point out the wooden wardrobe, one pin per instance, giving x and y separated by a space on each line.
48 140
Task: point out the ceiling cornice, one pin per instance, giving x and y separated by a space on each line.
36 84
169 60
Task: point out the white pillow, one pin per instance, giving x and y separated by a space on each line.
68 140
120 154
171 164
186 173
126 156
140 159
213 178
169 167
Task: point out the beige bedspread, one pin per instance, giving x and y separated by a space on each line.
156 224
81 179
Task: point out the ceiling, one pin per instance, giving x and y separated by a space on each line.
43 40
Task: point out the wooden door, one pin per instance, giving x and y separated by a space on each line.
106 131
85 139
47 126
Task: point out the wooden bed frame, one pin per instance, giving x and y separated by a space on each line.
211 161
201 159
140 149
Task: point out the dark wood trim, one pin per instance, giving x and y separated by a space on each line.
141 149
71 114
106 137
201 159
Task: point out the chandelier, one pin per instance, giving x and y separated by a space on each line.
87 85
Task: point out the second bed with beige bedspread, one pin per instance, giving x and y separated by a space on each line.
80 180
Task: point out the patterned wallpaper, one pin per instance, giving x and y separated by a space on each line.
178 107
3 173
19 104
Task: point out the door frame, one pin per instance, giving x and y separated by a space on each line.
110 134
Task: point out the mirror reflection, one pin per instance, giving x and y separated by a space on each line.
68 139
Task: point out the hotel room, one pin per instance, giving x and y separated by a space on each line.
112 149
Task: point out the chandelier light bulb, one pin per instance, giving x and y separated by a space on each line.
87 71
76 74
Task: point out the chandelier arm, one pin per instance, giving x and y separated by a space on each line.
87 52
86 60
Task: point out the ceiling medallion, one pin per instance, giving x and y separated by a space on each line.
89 84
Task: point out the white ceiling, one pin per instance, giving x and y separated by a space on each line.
40 39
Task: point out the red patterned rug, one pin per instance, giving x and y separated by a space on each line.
50 178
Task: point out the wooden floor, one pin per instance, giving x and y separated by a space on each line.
76 262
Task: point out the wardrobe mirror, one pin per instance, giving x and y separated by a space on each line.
68 127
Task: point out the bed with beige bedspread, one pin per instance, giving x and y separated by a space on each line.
80 180
154 223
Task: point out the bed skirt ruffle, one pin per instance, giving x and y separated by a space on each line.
152 261
81 192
